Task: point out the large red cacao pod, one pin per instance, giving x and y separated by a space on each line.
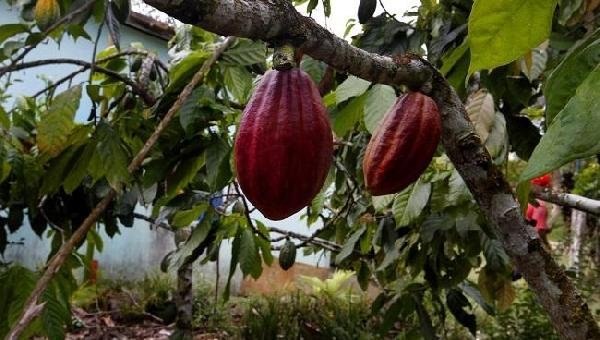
403 144
284 145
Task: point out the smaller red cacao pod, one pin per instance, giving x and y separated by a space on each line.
284 145
403 144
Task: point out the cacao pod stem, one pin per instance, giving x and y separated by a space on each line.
284 57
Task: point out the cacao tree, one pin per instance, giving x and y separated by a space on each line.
163 134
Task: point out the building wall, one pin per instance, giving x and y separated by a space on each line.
137 251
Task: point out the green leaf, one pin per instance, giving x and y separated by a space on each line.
503 30
345 119
573 133
409 203
184 174
250 262
184 218
449 60
348 247
192 109
80 168
239 82
218 172
245 52
380 202
570 73
380 99
184 70
196 239
457 191
57 170
10 30
351 87
314 68
16 283
57 123
235 258
264 245
495 255
112 155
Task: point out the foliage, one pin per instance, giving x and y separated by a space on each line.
298 315
525 319
587 181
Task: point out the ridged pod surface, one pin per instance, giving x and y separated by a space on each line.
403 144
284 145
47 12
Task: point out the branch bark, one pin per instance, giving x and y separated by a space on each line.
30 308
578 202
277 20
135 87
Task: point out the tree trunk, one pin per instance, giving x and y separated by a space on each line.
184 297
277 20
578 232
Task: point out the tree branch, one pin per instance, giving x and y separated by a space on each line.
135 87
87 6
578 202
278 20
30 308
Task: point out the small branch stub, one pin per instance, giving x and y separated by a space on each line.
284 57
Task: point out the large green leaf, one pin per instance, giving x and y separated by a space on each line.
112 155
570 73
239 82
184 70
245 52
351 87
345 119
348 247
185 250
573 133
380 99
16 283
250 262
218 171
409 203
184 174
57 123
184 218
501 31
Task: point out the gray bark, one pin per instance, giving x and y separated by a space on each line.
578 202
276 20
578 231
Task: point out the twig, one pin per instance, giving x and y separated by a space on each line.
568 200
47 32
393 16
331 246
247 212
30 308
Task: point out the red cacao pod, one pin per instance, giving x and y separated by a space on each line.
284 145
403 144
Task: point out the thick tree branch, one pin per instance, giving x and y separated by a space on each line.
276 20
578 202
31 305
